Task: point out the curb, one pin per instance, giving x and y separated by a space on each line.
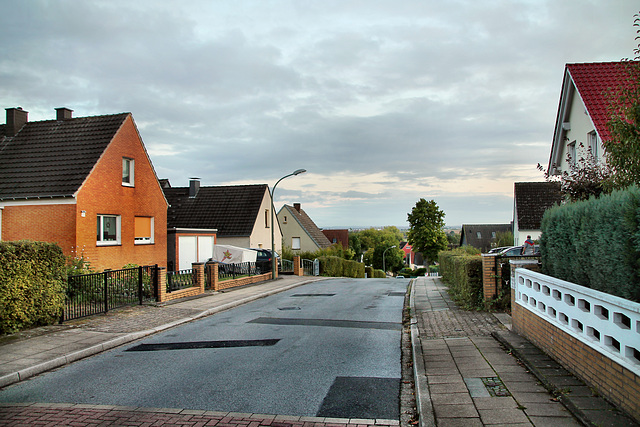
611 415
59 361
423 399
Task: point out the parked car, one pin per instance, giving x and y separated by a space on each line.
517 251
498 250
264 254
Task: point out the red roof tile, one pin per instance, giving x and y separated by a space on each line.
593 81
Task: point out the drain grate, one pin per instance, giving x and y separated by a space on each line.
288 308
203 344
396 294
495 387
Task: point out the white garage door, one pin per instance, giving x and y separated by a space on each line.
188 252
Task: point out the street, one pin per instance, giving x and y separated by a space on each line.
328 349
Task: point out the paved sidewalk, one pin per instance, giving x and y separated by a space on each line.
468 378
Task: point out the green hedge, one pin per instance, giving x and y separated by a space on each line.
32 284
332 266
462 272
595 243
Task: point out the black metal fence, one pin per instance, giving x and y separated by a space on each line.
182 279
234 271
89 294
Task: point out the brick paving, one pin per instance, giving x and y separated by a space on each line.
38 414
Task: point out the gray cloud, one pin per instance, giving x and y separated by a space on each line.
383 102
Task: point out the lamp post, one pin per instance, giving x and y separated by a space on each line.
383 253
274 261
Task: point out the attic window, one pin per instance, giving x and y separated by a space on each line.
479 235
127 172
266 218
285 219
592 137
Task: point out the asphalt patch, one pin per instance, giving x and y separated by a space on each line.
362 397
329 323
203 344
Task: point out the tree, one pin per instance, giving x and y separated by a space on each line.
622 150
426 234
585 177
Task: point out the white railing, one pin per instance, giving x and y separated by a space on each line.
606 323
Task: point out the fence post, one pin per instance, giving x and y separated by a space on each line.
140 284
214 278
297 267
489 277
198 271
162 283
106 292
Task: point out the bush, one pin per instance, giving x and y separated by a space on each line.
32 284
595 243
332 266
462 272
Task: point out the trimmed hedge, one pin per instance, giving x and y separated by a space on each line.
595 243
462 272
333 266
32 284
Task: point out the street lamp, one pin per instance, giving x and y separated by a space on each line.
274 261
385 251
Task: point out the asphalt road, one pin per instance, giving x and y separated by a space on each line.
330 348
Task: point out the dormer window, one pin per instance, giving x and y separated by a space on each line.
127 172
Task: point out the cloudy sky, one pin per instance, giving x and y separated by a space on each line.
383 102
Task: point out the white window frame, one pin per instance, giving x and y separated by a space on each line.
295 240
572 152
592 137
131 163
99 233
143 241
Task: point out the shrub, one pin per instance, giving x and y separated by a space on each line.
595 243
32 284
462 272
332 266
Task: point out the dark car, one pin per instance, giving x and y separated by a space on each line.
517 251
264 254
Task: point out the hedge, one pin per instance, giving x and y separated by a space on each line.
32 284
333 266
462 272
595 243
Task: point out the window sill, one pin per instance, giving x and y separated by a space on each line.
143 243
124 184
108 244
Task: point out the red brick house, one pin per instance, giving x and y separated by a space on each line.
85 183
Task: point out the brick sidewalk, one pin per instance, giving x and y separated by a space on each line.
104 415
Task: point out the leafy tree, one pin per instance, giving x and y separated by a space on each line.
426 234
504 238
622 151
366 241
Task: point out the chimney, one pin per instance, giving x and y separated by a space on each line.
296 206
194 187
16 119
63 113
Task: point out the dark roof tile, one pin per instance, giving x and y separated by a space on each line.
53 158
232 210
532 199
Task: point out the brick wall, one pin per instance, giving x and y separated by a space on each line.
611 380
103 193
47 223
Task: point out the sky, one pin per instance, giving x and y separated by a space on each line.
383 102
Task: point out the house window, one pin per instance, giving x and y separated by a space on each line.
295 243
493 234
592 137
285 219
266 218
479 235
143 226
127 172
571 154
108 230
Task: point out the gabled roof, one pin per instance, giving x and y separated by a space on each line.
481 235
309 226
232 210
591 82
532 199
52 158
